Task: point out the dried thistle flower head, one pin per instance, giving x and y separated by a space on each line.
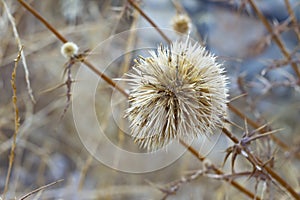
181 23
178 92
69 49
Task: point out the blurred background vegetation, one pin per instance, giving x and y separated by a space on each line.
48 148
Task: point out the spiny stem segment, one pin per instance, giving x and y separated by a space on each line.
256 162
284 146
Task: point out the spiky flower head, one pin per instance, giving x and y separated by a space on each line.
181 23
177 92
69 49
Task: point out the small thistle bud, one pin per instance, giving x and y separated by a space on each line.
178 92
69 49
181 23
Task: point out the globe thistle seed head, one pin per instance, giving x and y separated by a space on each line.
69 49
177 92
181 23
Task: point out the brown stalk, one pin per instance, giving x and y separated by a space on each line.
293 18
136 6
104 77
43 20
275 37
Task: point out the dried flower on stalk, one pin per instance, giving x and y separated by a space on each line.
178 92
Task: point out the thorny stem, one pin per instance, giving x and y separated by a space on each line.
258 163
219 172
256 126
275 37
136 6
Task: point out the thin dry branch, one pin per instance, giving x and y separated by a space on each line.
84 171
17 122
39 189
136 6
174 186
20 46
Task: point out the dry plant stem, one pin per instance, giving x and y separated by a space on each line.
105 78
149 20
219 172
38 16
39 189
256 126
258 163
64 40
17 123
275 37
16 34
293 18
84 171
